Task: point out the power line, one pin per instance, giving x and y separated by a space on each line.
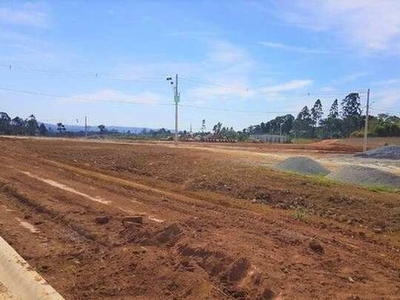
192 81
245 89
80 98
235 110
144 103
93 75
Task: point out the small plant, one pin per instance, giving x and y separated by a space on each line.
300 214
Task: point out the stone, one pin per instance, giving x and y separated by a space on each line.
102 220
132 219
316 247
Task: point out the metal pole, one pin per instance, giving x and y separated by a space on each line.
85 126
176 108
366 125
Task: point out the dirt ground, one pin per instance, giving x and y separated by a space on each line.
218 223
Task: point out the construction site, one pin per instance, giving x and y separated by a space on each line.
118 220
199 150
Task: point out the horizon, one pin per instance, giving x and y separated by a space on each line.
239 63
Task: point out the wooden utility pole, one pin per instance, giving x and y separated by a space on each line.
366 125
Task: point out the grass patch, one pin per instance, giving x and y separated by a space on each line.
300 214
320 180
302 141
383 188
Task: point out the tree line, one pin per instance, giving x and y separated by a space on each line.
19 126
30 126
344 121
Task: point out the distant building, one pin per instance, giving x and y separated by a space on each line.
270 138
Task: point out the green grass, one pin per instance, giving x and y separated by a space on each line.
320 180
383 188
302 141
300 214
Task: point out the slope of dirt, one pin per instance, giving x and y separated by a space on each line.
302 165
211 229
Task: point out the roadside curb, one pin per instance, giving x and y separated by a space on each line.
18 281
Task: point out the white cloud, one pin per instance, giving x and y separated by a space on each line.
287 86
369 24
350 77
221 93
226 72
227 53
286 47
385 101
110 95
390 81
26 14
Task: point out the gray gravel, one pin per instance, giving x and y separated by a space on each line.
303 165
365 176
390 152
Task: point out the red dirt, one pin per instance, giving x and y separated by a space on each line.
213 228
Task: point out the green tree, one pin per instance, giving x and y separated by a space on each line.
102 128
316 112
316 115
351 112
31 125
18 126
61 128
217 129
43 130
332 124
4 123
334 110
302 126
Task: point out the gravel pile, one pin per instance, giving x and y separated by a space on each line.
390 152
303 165
365 176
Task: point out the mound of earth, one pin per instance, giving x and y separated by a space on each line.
365 176
303 165
336 146
390 152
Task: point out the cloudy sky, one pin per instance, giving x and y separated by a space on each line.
239 62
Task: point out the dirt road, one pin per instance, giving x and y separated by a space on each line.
213 226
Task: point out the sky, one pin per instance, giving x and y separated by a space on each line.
238 62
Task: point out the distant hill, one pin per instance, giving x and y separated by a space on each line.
78 128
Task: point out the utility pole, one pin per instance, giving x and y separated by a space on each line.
366 124
176 100
85 126
280 132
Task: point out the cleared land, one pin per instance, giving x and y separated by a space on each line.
218 223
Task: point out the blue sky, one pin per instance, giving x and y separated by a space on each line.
245 61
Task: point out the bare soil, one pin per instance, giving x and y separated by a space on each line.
209 225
